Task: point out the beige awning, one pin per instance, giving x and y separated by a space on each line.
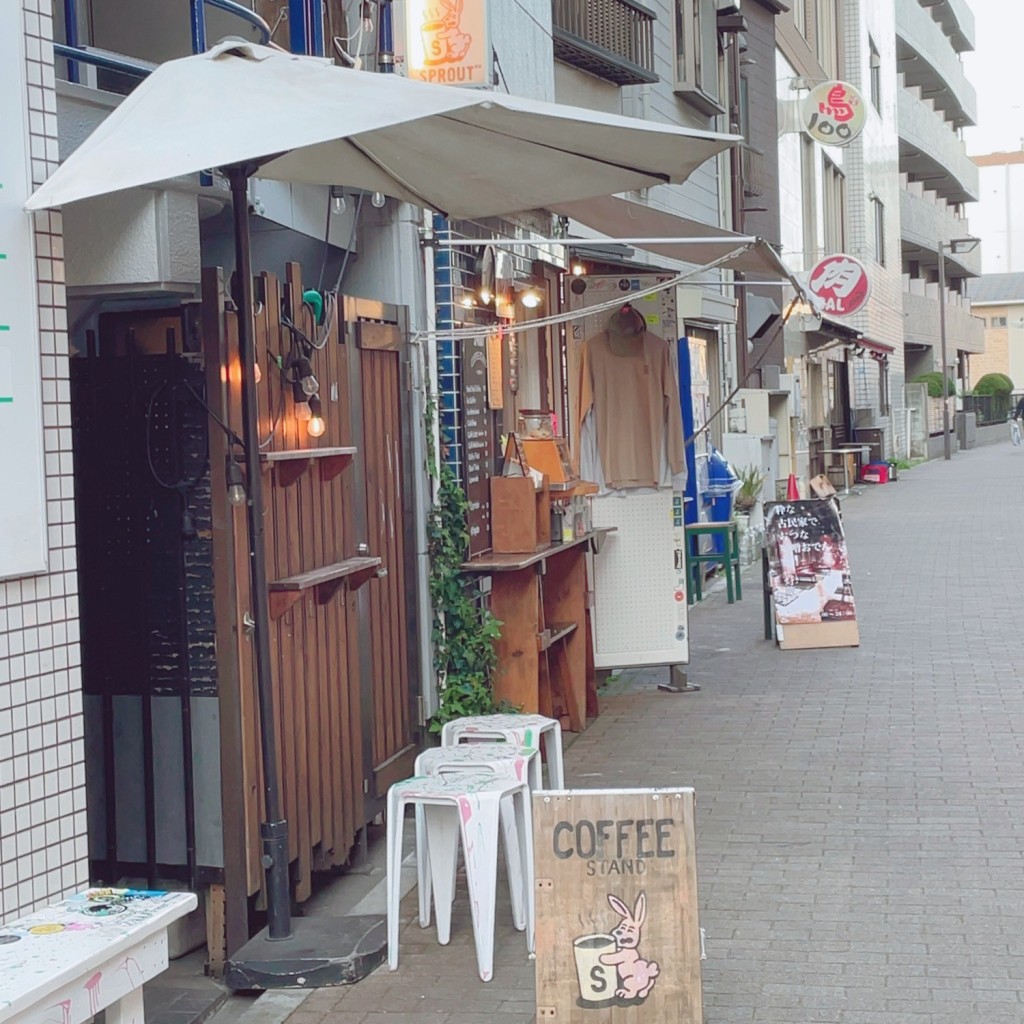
620 220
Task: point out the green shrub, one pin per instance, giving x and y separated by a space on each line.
934 381
994 384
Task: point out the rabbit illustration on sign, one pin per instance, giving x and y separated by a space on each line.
636 976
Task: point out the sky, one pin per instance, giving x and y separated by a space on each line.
992 68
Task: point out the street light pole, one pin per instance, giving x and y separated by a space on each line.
946 453
954 245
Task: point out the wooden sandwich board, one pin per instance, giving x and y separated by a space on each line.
809 575
618 937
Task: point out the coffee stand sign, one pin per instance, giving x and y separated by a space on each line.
618 937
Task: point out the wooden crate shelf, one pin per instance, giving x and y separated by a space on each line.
325 581
292 463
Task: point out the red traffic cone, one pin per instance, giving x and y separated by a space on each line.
792 490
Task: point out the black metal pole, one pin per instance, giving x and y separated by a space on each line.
274 830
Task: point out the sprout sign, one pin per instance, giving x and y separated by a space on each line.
833 113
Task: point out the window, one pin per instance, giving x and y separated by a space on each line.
878 217
826 36
876 77
834 207
997 321
800 16
613 40
883 386
696 55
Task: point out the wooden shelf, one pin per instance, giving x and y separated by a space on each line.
554 633
292 463
326 581
516 561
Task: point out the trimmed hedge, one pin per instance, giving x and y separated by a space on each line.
994 384
934 381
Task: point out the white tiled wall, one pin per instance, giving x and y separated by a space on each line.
872 169
42 769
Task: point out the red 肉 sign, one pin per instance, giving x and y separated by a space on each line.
841 285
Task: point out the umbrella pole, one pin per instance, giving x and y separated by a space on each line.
274 830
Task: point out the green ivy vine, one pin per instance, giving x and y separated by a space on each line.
463 632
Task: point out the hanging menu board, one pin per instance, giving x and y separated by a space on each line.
809 575
618 935
478 433
23 534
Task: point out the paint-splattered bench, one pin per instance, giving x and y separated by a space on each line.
92 952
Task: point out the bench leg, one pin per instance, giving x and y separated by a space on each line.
127 1010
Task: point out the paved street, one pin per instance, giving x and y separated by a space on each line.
860 827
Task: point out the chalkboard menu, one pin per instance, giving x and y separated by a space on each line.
478 433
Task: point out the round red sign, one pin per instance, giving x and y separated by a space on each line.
841 285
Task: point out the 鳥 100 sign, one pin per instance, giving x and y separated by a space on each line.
833 113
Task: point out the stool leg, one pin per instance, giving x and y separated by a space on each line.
423 887
698 570
524 826
513 862
736 563
536 773
448 734
443 844
553 749
727 565
395 826
478 819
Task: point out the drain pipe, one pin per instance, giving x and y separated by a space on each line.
425 477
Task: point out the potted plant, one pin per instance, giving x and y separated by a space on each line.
747 509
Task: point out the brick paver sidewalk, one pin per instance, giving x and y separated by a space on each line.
860 826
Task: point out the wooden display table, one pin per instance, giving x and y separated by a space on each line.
540 598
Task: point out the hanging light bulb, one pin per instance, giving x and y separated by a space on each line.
236 484
304 371
315 426
486 295
468 301
530 298
337 199
301 400
578 270
377 200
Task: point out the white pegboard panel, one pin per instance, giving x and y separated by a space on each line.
640 582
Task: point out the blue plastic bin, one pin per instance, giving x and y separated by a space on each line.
722 486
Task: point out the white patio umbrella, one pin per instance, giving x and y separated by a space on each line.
249 109
462 152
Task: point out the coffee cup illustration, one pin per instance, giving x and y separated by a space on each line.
596 980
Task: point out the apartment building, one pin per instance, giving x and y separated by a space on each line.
938 181
998 215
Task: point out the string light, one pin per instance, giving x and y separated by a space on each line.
530 298
377 200
236 484
315 426
578 270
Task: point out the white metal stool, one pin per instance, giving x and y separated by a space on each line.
466 807
499 759
519 730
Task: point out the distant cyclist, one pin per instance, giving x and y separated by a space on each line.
1018 415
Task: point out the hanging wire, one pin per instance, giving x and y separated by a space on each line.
485 331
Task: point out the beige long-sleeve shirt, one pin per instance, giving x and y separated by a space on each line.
635 401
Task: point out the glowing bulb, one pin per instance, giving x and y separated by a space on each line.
467 301
377 200
578 270
530 298
486 295
302 411
316 426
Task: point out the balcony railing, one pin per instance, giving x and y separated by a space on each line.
613 39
